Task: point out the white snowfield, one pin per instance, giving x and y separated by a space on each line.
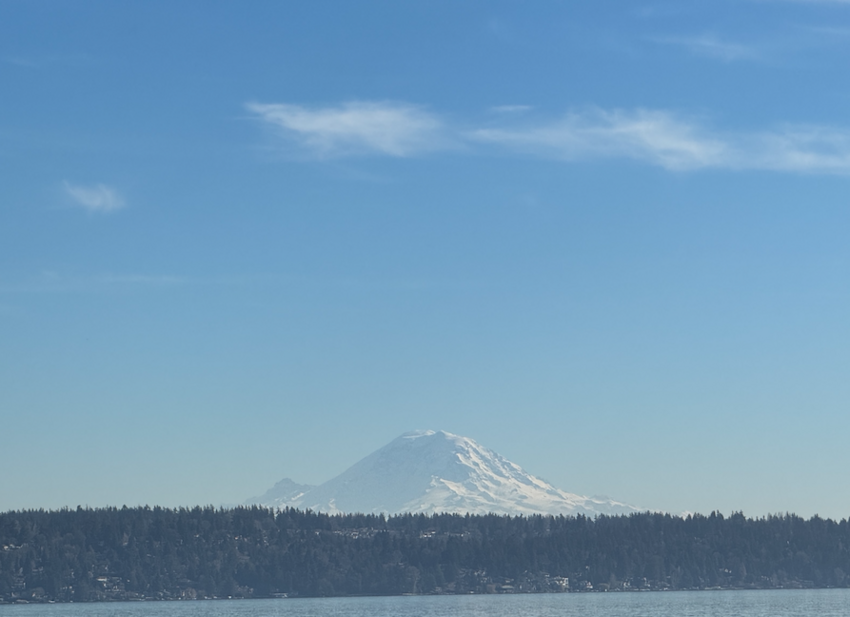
432 472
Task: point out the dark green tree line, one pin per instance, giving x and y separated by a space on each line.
125 553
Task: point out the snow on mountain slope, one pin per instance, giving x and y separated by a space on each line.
434 471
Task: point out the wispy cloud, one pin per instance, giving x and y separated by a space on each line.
653 136
511 109
838 33
814 149
394 129
711 46
667 140
658 137
96 198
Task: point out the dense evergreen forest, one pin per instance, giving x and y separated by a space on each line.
138 553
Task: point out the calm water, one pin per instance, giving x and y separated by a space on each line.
795 603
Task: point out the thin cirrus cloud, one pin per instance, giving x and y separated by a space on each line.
666 140
511 109
95 198
711 46
651 136
660 138
356 128
814 149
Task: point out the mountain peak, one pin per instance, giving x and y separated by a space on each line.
418 434
429 471
429 435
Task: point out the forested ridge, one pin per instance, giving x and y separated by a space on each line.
158 553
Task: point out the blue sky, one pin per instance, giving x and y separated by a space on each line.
607 240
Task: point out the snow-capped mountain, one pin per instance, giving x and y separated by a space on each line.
434 471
